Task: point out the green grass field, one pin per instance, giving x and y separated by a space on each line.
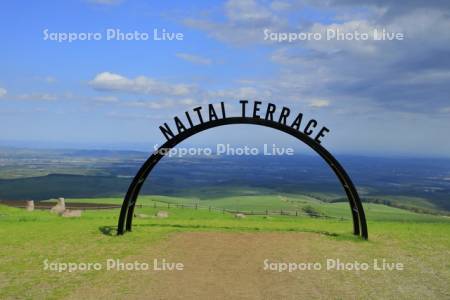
420 241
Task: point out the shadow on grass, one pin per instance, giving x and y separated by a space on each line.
112 230
108 230
234 228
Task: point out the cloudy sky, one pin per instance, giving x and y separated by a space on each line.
377 97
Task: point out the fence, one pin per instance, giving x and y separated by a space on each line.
281 212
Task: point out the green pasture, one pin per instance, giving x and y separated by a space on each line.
29 238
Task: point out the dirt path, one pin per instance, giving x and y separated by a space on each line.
230 266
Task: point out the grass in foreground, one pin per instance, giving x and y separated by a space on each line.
28 238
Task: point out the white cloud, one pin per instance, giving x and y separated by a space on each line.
194 58
334 45
424 77
106 99
49 79
280 5
318 103
248 12
245 92
46 79
407 75
141 84
37 96
162 104
3 92
445 110
244 24
151 104
188 101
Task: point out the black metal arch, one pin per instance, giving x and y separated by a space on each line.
127 210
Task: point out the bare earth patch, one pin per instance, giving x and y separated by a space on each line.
230 266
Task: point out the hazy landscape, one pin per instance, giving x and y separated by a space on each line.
419 184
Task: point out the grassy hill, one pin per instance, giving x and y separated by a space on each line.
275 204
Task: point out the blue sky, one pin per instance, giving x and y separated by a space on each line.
388 97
